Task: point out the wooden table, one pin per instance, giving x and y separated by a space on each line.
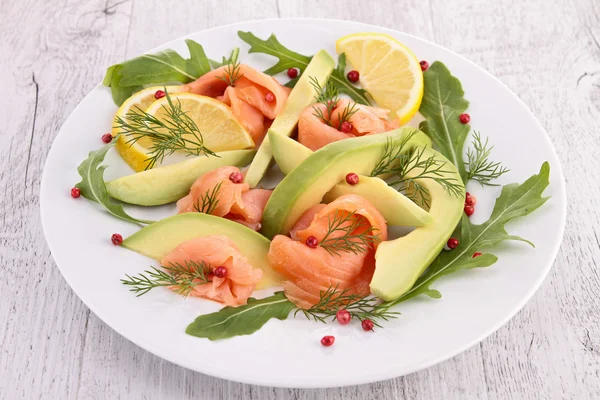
54 52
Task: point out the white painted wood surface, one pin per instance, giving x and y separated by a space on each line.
53 52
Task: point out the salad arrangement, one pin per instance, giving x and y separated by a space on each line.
354 165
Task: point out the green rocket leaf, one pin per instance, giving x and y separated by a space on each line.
93 188
244 320
515 200
163 67
443 102
286 57
290 59
338 77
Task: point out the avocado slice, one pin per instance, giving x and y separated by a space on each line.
170 183
401 261
287 152
160 238
302 96
397 209
306 184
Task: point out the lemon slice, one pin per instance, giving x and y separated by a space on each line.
220 129
135 155
389 71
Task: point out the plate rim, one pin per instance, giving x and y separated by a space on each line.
336 382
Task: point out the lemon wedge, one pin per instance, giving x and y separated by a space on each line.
389 71
221 131
134 154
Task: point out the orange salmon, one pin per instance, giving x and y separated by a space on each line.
247 98
310 271
235 201
254 202
241 279
315 133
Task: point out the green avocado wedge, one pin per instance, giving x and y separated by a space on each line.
170 183
287 152
399 262
307 184
302 96
162 237
397 209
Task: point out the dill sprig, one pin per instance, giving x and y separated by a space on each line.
342 235
208 202
347 113
182 278
329 96
408 168
391 155
481 169
359 307
175 132
232 72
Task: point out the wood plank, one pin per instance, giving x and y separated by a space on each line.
55 52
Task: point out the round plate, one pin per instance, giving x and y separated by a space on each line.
288 353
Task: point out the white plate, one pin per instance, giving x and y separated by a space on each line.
288 353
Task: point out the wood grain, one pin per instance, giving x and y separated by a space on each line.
54 52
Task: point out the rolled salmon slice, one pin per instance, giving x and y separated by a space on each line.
312 271
228 194
254 202
247 98
309 272
250 117
234 201
340 208
215 251
305 220
314 132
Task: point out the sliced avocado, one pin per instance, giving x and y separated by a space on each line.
401 261
170 183
397 209
306 184
160 238
287 152
302 96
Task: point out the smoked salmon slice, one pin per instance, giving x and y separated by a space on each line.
215 251
341 207
314 132
235 201
254 202
250 117
311 271
247 98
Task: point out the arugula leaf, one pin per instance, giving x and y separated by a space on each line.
443 102
198 63
290 59
93 188
113 80
515 200
338 77
244 320
292 82
287 58
166 66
